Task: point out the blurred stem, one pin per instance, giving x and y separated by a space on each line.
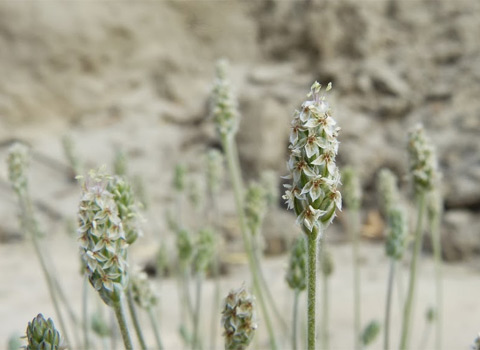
437 252
388 306
134 316
196 315
311 286
122 323
294 319
407 313
86 323
234 170
325 306
155 327
30 226
354 235
216 274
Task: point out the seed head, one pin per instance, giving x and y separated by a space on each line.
42 334
397 233
18 159
204 249
142 290
239 319
103 245
223 104
388 193
255 206
352 189
314 192
422 159
297 267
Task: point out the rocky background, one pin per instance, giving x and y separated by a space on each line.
136 76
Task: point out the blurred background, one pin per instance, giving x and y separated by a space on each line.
135 77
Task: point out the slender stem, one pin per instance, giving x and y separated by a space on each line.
122 324
196 315
325 311
437 252
407 312
425 336
232 162
30 226
216 274
295 319
86 323
388 306
134 316
155 327
311 287
354 226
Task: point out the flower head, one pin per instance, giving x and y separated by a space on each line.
42 334
102 239
239 319
18 159
313 193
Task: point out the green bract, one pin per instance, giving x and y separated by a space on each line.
42 334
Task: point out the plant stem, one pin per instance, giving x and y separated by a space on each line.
154 323
354 227
122 323
407 313
86 323
388 306
134 316
196 315
325 311
311 287
437 252
294 319
234 170
216 274
30 226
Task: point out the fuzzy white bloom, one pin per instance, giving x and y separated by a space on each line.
313 193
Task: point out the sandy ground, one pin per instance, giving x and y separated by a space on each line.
24 294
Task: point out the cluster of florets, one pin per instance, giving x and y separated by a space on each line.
204 249
102 240
255 206
422 160
397 233
388 194
18 158
352 192
239 319
297 265
142 290
127 207
214 170
314 193
223 104
42 334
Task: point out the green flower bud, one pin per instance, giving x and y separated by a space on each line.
184 246
205 248
18 159
388 194
223 104
352 192
255 206
143 291
370 333
127 207
297 267
42 334
100 326
239 319
422 160
397 233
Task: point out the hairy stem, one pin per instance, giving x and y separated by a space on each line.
122 324
234 170
134 316
311 287
388 306
325 311
407 312
156 332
